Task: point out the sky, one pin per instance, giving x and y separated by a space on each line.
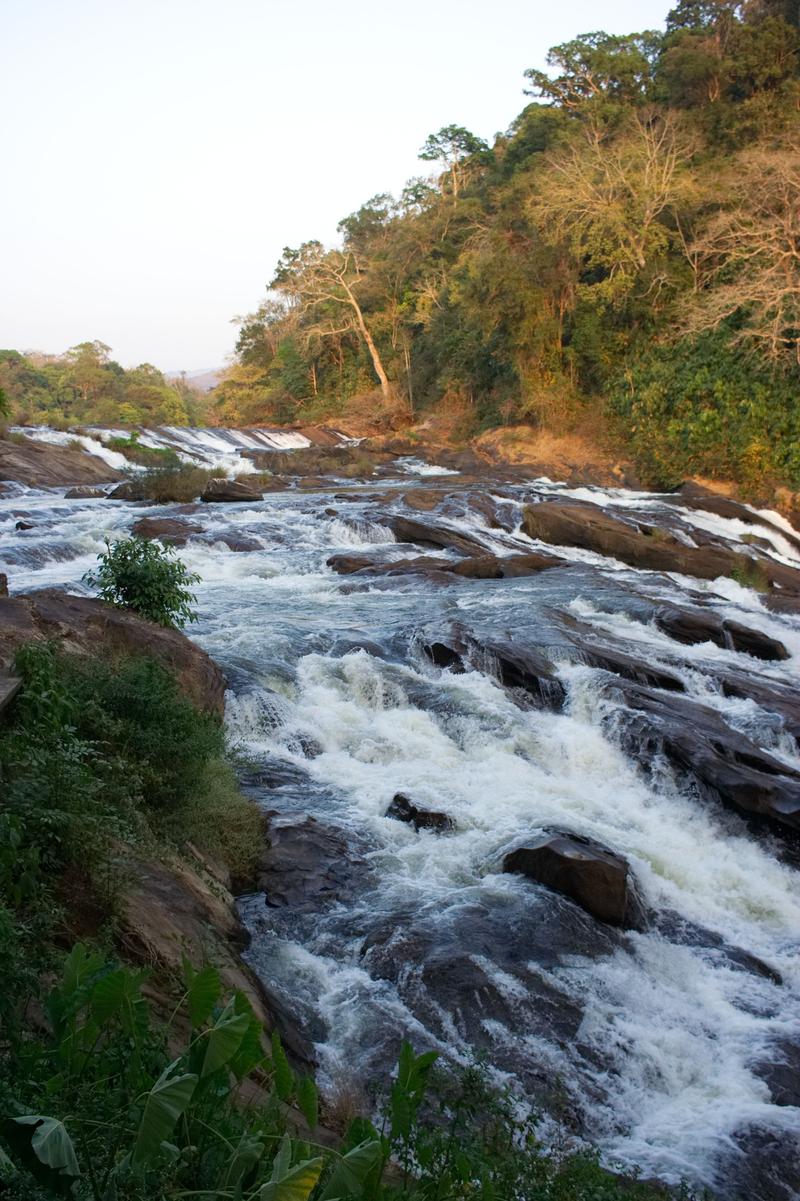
159 154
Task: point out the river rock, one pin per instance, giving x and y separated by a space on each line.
84 492
725 763
694 626
229 491
421 533
596 878
3 584
24 525
647 547
404 810
127 490
424 500
83 625
43 465
306 866
168 530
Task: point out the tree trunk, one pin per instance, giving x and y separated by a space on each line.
386 387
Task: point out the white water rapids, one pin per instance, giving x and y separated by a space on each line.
651 1045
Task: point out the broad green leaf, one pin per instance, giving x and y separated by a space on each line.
308 1100
166 1101
224 1039
247 1154
203 992
284 1076
119 995
297 1185
7 1167
350 1173
51 1144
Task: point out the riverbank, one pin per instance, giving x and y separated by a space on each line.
426 680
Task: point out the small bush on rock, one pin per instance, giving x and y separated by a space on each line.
147 578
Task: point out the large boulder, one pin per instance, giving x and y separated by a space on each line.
404 810
168 530
694 626
596 878
424 533
83 625
306 866
229 491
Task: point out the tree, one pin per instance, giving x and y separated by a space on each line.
749 254
324 284
608 197
598 67
452 146
147 578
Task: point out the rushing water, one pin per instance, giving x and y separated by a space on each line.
652 1045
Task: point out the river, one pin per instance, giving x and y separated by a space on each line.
668 1047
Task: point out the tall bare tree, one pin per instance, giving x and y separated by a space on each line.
749 254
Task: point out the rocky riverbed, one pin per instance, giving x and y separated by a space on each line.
529 758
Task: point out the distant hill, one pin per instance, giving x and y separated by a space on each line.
204 380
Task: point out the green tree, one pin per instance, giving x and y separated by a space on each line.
146 577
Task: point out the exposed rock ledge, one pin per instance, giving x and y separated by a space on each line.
84 625
42 465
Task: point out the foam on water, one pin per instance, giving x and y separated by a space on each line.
671 1029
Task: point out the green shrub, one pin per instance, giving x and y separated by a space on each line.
145 576
167 485
145 456
701 408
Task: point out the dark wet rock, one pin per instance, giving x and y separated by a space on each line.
84 492
3 584
229 491
505 567
725 763
694 626
678 929
24 525
596 878
240 543
83 625
169 530
694 496
348 646
648 547
404 810
772 695
421 533
444 656
630 668
477 567
766 1167
525 669
127 490
306 866
782 1072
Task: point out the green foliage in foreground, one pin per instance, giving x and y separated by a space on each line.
147 577
98 1101
100 1109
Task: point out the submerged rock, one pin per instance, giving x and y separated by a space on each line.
596 878
404 810
229 491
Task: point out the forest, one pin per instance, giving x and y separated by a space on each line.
624 260
86 386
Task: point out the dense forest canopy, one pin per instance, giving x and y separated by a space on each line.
86 386
627 254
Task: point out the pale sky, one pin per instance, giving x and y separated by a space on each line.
157 155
